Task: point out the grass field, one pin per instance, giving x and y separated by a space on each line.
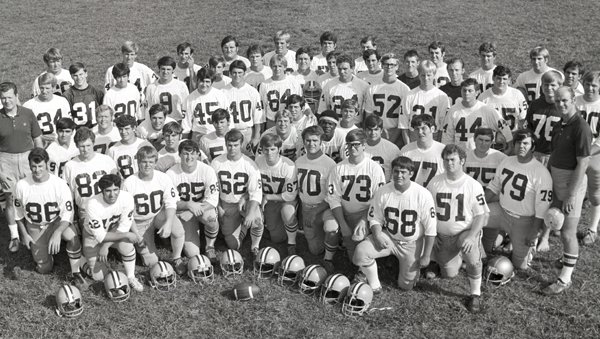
92 31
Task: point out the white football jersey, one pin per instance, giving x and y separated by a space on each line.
511 105
360 65
166 160
221 84
275 93
102 217
183 74
291 146
352 186
83 176
323 79
105 141
212 145
319 63
590 111
237 57
237 179
290 57
428 162
404 216
244 106
383 153
461 123
124 101
433 102
531 82
255 78
369 78
124 156
201 185
312 178
44 202
49 112
198 109
280 179
170 95
140 76
441 75
59 155
457 202
484 78
303 122
523 189
150 196
146 131
333 147
483 169
335 92
385 100
63 82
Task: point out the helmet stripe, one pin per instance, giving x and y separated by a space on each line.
230 256
264 253
115 277
310 269
333 279
162 266
69 292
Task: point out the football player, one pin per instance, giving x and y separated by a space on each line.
345 86
63 149
352 184
48 107
366 43
44 212
425 152
523 187
123 152
402 222
200 105
571 150
461 213
573 72
411 76
437 52
385 99
308 78
279 182
469 114
109 223
258 72
186 69
374 73
240 194
83 97
291 144
487 59
107 135
331 74
281 39
320 62
198 189
349 116
217 65
213 144
230 47
275 91
53 60
167 90
332 140
155 200
168 156
425 99
508 101
452 89
123 97
302 116
151 128
530 82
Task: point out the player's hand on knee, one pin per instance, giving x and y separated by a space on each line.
165 231
26 240
468 243
425 261
131 237
543 245
380 241
568 205
54 243
195 208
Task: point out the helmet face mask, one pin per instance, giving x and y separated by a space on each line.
232 263
163 277
69 303
290 270
358 299
312 278
116 286
266 263
334 289
499 271
200 270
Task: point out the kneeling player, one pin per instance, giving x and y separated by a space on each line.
44 212
402 220
109 223
198 189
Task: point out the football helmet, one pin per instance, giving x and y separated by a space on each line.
334 289
68 301
290 269
231 263
163 277
358 299
200 269
554 218
266 262
312 278
116 286
498 271
312 93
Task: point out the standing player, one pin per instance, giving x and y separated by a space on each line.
346 86
508 101
470 114
63 149
333 72
381 150
374 73
107 135
230 47
279 187
328 41
123 152
402 222
83 97
411 76
48 107
281 39
139 74
366 43
217 65
530 82
352 184
487 59
573 72
523 187
240 196
302 116
213 144
167 90
151 128
308 78
44 213
437 51
385 99
275 91
571 144
452 89
186 69
258 72
461 213
53 60
109 223
425 152
290 138
155 201
198 189
123 97
200 105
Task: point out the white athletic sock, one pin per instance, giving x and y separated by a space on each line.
291 233
370 272
129 268
14 231
475 285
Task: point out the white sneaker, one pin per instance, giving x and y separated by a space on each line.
136 284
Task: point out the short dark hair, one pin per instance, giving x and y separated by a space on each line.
38 155
65 123
166 61
403 163
523 133
453 148
189 146
125 120
83 134
158 108
120 69
109 180
76 67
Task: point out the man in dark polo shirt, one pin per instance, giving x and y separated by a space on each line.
19 133
571 149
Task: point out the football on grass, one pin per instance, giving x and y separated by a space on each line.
245 291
